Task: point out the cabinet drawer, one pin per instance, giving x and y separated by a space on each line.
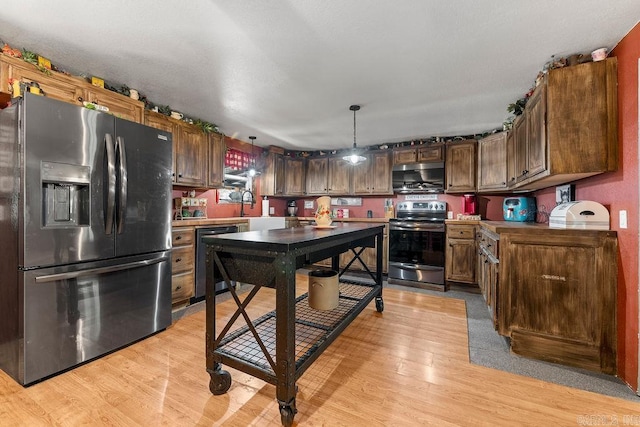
488 243
182 259
182 236
461 231
182 286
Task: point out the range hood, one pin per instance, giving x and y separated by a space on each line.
416 178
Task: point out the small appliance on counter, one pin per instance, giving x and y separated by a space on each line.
520 209
585 215
469 204
292 209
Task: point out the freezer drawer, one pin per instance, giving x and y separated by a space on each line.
75 314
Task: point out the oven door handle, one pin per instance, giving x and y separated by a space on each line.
403 227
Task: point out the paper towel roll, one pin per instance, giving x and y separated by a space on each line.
265 207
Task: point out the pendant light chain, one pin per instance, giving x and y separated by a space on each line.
354 126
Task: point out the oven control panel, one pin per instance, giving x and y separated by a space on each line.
422 206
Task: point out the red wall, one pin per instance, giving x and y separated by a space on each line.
619 191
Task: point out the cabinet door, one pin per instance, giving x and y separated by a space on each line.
492 278
557 296
339 174
492 162
431 153
405 156
460 257
279 176
162 122
511 158
460 167
273 177
535 113
56 86
294 183
119 105
191 156
217 150
317 176
381 173
520 148
460 260
481 260
361 176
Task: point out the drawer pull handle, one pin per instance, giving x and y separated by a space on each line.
178 259
179 238
178 288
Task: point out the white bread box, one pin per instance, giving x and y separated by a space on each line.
583 215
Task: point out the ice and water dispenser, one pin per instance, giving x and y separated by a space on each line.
65 194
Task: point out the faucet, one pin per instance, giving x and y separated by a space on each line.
253 201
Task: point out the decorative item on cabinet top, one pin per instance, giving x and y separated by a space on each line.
45 66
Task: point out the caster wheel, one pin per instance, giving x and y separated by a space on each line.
379 305
220 382
286 415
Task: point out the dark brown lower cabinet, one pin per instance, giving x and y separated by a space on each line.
460 254
557 296
488 271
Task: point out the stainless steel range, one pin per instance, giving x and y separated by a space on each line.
417 245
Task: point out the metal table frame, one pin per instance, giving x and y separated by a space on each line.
280 345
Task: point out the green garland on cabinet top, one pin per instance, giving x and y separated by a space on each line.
32 58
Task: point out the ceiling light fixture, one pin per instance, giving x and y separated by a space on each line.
252 170
354 157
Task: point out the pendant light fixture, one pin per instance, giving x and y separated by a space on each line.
252 169
354 157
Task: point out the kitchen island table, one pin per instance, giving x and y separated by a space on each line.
280 345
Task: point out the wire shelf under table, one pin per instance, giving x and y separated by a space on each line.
312 327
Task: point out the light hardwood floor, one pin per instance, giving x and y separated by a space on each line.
408 366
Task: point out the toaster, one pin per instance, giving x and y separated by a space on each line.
519 209
584 215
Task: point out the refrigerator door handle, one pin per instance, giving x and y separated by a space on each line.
111 183
122 173
100 270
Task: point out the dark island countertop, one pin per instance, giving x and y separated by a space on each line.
301 239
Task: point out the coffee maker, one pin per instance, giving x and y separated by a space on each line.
469 204
292 209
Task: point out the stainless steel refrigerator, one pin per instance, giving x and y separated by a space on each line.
85 232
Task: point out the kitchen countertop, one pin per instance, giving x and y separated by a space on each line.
209 221
245 219
374 220
523 227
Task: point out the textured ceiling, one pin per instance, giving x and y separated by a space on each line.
287 71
